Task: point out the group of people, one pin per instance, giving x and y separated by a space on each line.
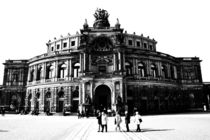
103 120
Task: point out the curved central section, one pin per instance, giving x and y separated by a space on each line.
102 97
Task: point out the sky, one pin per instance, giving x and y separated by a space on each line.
181 27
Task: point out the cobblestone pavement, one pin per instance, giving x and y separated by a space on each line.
157 127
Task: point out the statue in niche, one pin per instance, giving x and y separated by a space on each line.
119 103
87 99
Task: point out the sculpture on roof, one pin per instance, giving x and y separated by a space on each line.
101 19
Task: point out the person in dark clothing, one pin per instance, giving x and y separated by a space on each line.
99 120
127 120
2 111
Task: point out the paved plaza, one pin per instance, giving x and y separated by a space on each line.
154 127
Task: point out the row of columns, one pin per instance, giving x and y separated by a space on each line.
53 98
55 64
158 66
118 61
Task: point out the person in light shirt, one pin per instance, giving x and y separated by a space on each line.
137 120
104 120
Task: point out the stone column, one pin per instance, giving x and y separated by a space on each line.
134 66
80 61
44 72
70 69
114 62
83 93
89 63
80 94
32 99
84 61
123 61
119 60
168 71
56 70
29 74
26 99
113 100
91 91
159 69
148 68
66 95
42 99
70 96
35 72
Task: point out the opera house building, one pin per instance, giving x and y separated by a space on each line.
103 67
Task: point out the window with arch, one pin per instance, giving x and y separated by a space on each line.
39 73
49 72
76 68
61 71
141 69
153 70
164 71
128 68
15 78
172 72
31 75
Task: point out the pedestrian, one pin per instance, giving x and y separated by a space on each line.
99 121
2 111
104 121
127 120
78 113
118 121
138 120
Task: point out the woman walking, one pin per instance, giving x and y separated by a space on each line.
117 120
137 120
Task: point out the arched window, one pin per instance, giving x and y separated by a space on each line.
164 71
153 70
62 71
39 72
76 68
172 72
49 72
128 68
31 75
141 69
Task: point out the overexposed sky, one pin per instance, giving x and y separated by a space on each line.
181 27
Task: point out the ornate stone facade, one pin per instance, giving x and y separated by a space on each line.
105 67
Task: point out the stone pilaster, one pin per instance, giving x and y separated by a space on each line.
114 62
84 61
29 74
56 70
44 71
119 60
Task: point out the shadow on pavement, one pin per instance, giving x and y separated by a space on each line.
149 130
4 130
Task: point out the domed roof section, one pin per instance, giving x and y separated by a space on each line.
101 19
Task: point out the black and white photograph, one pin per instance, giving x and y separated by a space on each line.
104 70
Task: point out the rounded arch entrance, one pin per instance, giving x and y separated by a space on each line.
102 97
